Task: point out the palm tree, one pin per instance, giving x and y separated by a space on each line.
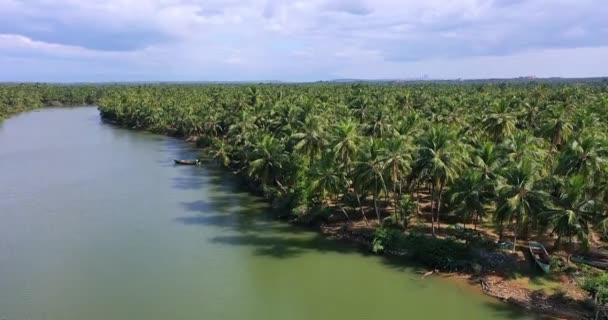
500 123
519 196
369 173
487 159
346 146
440 158
573 212
220 152
268 157
311 139
471 195
524 144
380 125
558 126
347 142
395 160
586 155
328 181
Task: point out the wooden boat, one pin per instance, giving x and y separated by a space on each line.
600 254
602 264
540 255
186 162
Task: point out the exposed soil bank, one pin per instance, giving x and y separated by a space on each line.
491 284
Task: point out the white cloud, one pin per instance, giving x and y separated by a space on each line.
307 39
18 44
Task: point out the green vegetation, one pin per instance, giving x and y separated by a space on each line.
598 286
531 158
22 97
443 254
527 160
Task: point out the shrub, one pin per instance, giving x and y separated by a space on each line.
443 254
391 223
597 285
385 238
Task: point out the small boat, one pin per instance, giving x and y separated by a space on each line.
600 254
187 162
601 264
540 255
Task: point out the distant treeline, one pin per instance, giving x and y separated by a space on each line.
21 97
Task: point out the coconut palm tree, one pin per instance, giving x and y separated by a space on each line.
583 156
395 161
347 142
471 195
346 146
220 152
573 211
369 173
523 144
487 159
311 139
439 160
268 156
328 182
500 123
558 125
519 196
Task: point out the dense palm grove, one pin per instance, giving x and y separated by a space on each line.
21 97
527 160
533 159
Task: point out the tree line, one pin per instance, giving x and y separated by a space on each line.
530 158
22 97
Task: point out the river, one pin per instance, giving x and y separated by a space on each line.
97 223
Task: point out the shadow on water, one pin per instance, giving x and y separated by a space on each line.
191 178
227 205
508 311
282 247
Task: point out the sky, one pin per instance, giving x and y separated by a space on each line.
293 40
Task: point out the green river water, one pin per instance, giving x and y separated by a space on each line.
97 223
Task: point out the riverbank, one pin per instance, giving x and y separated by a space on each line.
493 283
325 229
570 303
145 239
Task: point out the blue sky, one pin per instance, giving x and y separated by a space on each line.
206 40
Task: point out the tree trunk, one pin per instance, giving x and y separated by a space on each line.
376 210
361 207
418 198
386 198
343 210
500 232
396 203
515 236
374 195
475 219
439 202
433 209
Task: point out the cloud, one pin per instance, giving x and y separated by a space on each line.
299 39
